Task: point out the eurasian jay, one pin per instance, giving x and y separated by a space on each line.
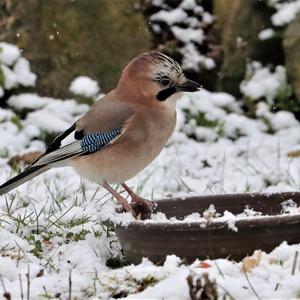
122 132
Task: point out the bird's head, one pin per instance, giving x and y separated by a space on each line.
156 76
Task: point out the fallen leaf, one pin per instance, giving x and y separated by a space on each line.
204 265
27 158
40 273
294 154
251 262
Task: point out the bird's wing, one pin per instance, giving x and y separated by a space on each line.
100 124
59 154
90 143
107 114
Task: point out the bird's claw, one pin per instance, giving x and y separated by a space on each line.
142 207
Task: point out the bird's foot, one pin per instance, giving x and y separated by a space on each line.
122 201
142 207
126 206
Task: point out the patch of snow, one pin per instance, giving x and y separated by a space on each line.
262 82
286 12
193 60
10 78
84 86
266 34
15 69
188 4
8 268
207 18
187 35
5 115
54 221
186 21
290 207
9 53
47 122
239 125
55 116
283 119
172 17
22 71
28 101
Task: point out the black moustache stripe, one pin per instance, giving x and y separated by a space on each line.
166 93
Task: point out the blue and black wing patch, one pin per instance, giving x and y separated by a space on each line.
96 141
88 144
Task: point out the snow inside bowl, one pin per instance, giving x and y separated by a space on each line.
233 236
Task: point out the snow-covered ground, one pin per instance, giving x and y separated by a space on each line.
52 238
53 223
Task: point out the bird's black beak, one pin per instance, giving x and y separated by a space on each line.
189 86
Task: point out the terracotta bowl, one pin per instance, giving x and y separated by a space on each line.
191 240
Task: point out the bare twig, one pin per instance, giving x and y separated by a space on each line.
226 292
28 282
46 293
295 262
94 283
6 294
2 284
21 286
219 269
19 257
251 286
70 285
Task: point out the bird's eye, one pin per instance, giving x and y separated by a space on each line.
164 81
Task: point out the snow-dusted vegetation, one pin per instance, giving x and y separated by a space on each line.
53 240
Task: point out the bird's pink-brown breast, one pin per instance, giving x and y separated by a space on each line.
141 142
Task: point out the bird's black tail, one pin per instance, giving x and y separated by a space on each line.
22 177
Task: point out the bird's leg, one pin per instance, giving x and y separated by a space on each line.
145 204
119 198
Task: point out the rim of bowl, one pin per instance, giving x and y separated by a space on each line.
200 225
243 222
